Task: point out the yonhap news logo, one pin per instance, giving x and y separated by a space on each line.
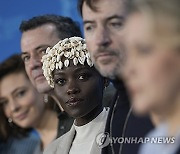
104 139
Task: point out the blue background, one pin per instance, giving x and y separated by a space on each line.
12 12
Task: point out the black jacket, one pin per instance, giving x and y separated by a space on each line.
65 123
122 125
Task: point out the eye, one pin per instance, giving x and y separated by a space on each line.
42 51
60 81
25 58
116 24
88 27
21 93
84 76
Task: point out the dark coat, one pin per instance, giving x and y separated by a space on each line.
135 126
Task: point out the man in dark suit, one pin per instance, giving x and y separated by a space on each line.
103 27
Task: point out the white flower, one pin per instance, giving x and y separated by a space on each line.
75 61
52 67
58 58
56 46
82 54
81 60
57 66
53 59
66 63
89 62
60 65
73 48
48 49
66 54
77 54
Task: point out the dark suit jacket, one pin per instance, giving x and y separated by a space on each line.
136 126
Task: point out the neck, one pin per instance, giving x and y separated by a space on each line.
89 117
47 127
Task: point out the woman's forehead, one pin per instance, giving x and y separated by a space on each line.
73 68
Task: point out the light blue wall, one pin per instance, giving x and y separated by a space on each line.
12 12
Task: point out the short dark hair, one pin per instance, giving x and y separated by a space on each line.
65 26
13 64
89 4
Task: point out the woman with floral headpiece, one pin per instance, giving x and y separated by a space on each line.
79 88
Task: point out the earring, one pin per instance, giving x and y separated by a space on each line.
105 88
9 120
46 98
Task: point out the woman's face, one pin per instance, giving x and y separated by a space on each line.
79 89
21 102
152 70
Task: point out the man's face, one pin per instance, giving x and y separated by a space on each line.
33 45
103 32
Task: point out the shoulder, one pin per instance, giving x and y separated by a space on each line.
58 144
52 148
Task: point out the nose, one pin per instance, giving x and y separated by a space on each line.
14 105
35 62
102 36
73 88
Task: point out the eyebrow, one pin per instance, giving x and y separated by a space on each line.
42 46
37 48
13 92
115 17
107 19
17 89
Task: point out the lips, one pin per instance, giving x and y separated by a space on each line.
41 76
74 101
104 57
37 75
21 116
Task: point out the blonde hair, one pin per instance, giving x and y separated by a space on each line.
164 17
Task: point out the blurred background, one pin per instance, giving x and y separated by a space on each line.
13 12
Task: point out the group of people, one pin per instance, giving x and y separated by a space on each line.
70 95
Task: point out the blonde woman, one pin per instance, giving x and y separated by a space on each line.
152 68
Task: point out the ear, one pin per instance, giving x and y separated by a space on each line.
106 82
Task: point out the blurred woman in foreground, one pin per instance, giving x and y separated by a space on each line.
152 67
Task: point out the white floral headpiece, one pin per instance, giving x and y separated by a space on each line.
73 48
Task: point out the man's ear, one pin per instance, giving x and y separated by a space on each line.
106 82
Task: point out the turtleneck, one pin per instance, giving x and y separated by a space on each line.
86 134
